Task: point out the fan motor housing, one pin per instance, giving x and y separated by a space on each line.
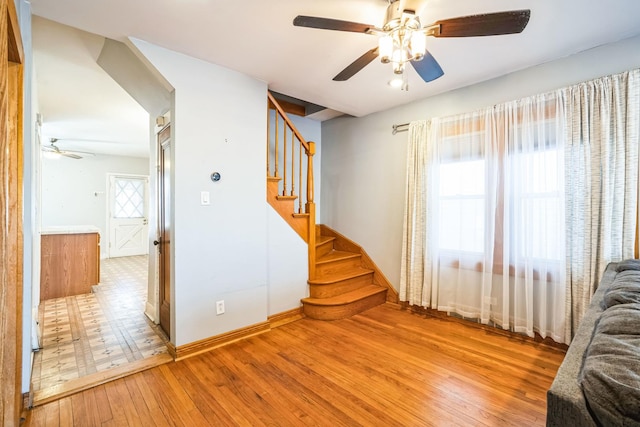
397 15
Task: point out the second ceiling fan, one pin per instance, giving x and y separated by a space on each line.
402 39
55 150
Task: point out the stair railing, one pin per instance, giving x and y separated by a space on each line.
285 146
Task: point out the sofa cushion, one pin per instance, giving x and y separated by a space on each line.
610 377
625 289
628 264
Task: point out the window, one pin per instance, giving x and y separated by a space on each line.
129 198
540 205
500 203
462 206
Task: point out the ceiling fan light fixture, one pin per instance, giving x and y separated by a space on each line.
398 59
400 81
402 38
396 82
418 45
385 48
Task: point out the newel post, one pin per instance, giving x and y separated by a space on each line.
311 210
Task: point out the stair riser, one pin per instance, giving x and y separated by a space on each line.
341 287
343 311
337 266
324 248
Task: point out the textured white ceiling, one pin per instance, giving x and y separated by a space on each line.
257 38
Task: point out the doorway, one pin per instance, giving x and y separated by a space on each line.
105 331
111 140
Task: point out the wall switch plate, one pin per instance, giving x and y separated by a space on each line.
219 307
205 198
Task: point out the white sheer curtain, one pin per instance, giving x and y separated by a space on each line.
491 190
513 212
603 133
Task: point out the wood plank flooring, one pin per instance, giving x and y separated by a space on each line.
383 367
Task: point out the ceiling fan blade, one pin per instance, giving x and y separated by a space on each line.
71 154
488 24
357 65
330 24
428 68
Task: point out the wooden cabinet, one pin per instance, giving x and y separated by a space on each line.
70 262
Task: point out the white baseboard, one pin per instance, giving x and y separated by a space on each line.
150 312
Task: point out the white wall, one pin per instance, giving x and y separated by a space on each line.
237 249
287 268
219 251
69 188
363 164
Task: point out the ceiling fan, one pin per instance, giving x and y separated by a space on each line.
53 148
402 38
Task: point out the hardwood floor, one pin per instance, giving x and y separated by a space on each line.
383 367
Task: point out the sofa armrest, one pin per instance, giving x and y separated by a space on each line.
566 404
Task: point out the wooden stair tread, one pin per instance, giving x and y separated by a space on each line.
300 215
323 239
343 275
346 298
336 255
286 197
274 178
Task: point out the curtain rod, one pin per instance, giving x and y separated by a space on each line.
403 127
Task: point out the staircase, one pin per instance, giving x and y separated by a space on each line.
343 280
344 284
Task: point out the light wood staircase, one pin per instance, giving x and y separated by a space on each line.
343 280
347 282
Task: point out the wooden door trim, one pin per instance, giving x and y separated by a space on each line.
15 51
11 167
164 257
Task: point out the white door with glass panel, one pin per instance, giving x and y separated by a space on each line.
128 223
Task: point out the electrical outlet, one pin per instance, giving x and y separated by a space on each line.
219 307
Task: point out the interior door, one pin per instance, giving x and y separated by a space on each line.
164 240
128 223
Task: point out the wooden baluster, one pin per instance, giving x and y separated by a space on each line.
310 153
300 177
268 132
293 164
276 142
311 210
284 160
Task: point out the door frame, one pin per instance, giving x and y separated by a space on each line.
162 218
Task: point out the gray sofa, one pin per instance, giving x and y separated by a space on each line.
598 383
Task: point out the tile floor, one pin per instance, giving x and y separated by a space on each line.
85 334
